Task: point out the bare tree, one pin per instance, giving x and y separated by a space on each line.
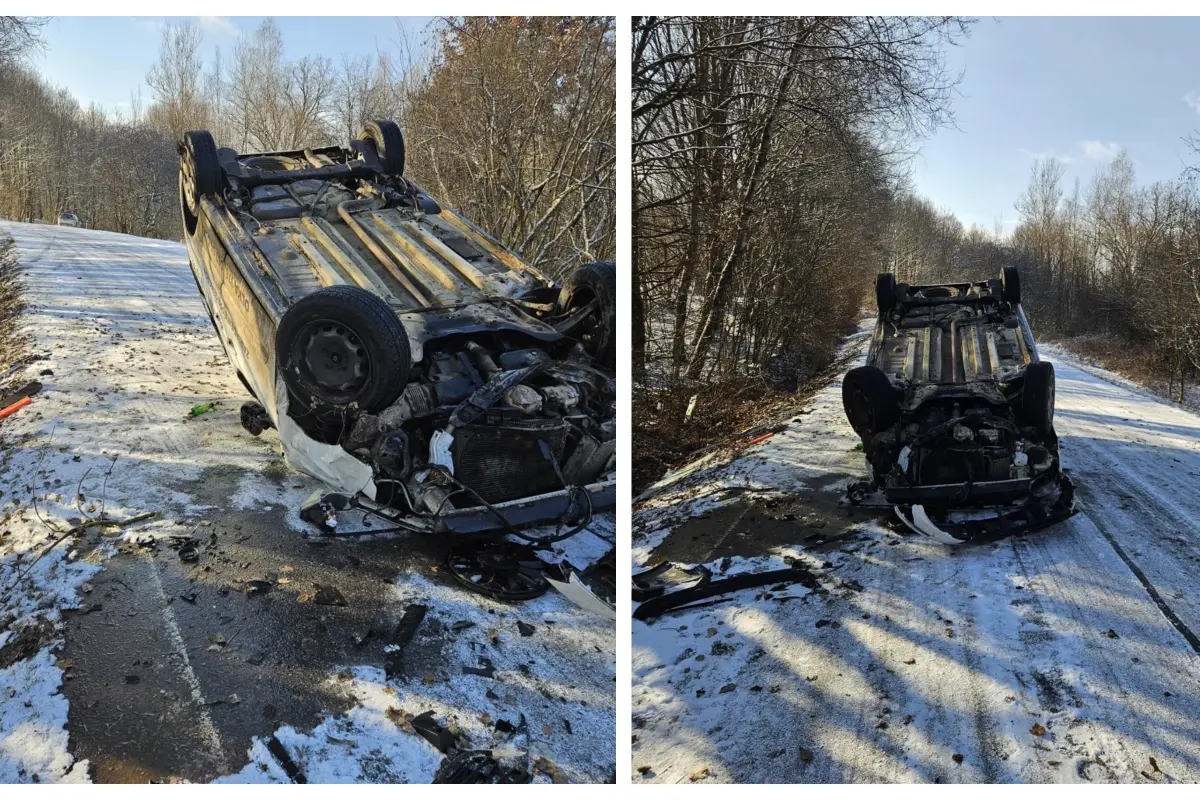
511 120
767 189
177 82
19 36
515 125
727 113
274 104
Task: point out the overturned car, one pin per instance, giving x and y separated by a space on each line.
418 367
956 412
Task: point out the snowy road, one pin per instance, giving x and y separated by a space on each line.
1070 655
170 670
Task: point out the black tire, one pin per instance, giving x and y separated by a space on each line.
200 174
385 135
885 291
869 401
1037 397
343 345
594 281
1010 285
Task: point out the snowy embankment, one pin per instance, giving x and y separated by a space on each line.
1066 655
127 349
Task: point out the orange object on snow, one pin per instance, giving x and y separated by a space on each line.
760 439
15 407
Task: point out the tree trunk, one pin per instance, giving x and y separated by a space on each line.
713 314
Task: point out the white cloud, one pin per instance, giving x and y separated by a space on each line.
1100 151
150 25
218 26
213 26
1193 100
1043 155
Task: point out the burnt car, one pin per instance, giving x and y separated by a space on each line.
956 412
409 360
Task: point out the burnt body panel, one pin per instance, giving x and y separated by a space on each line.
495 400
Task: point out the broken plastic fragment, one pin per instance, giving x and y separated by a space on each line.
922 524
580 595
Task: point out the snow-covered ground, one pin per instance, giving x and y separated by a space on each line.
1064 656
128 351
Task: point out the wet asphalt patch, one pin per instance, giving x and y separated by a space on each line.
811 519
174 664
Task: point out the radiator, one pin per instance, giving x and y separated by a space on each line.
505 462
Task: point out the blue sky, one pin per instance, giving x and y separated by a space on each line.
1077 88
105 59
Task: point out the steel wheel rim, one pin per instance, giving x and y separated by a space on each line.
332 360
499 569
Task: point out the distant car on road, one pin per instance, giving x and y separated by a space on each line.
956 411
70 220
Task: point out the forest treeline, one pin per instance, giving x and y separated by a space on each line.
768 155
770 186
510 120
1110 268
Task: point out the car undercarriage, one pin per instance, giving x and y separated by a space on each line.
423 371
955 410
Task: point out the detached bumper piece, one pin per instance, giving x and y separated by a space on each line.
1054 504
550 508
706 588
543 509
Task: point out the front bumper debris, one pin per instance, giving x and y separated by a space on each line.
953 526
545 509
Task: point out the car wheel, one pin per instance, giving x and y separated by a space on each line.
199 174
885 291
1010 285
869 401
388 142
594 282
1037 397
342 345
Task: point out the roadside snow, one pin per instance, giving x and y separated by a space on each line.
1063 351
91 443
33 718
361 746
537 679
813 447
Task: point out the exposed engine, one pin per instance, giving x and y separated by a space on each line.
958 443
493 420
